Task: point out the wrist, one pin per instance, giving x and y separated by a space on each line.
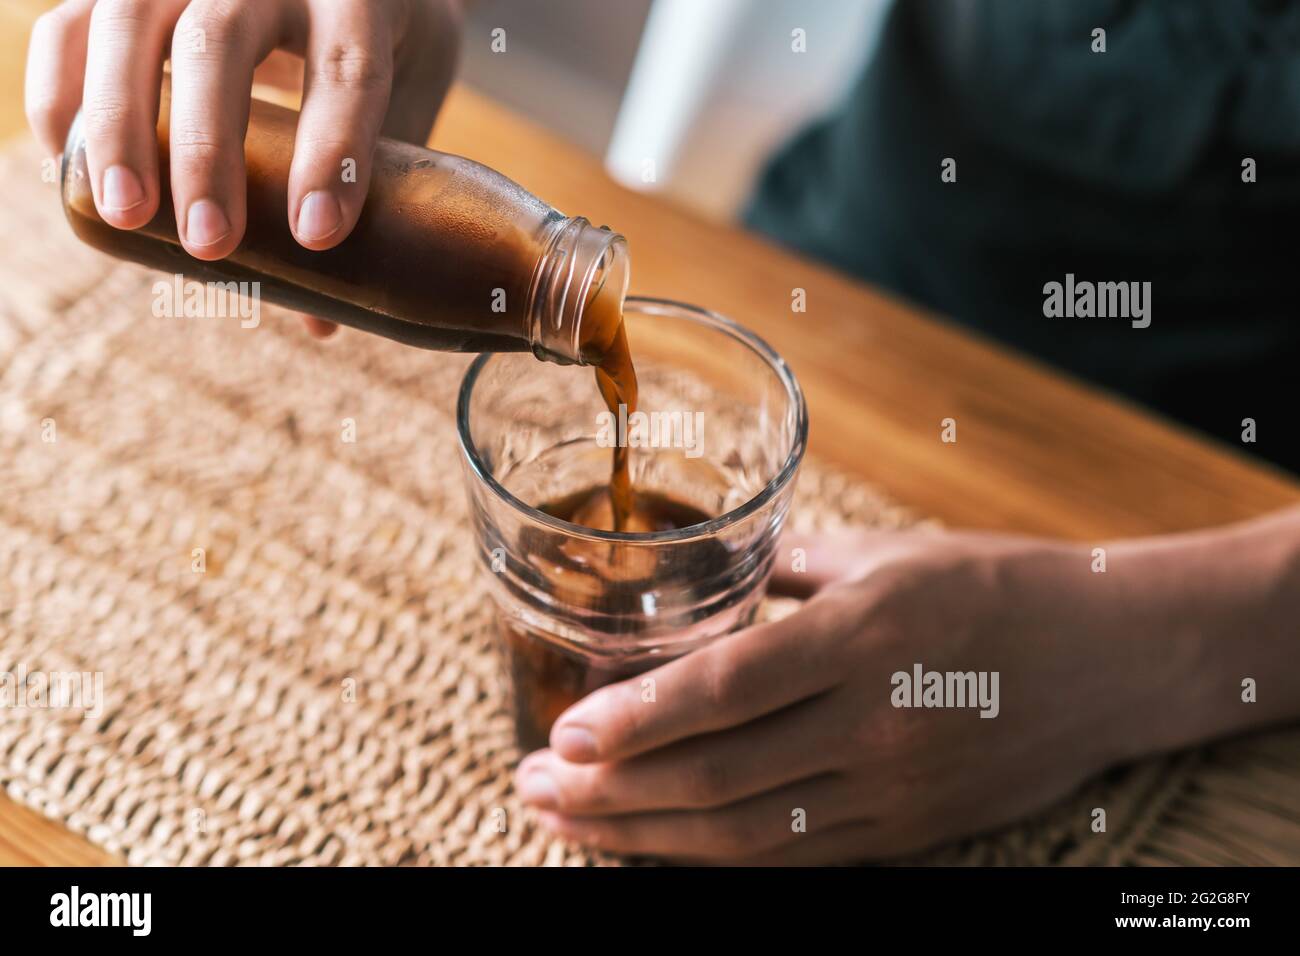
1192 617
1130 653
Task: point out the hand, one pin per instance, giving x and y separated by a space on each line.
797 719
372 67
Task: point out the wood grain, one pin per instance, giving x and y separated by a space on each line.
1035 452
29 839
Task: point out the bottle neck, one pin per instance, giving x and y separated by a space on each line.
575 300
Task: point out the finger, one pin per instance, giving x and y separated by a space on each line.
805 563
120 106
734 680
709 771
319 328
424 63
349 73
214 50
56 63
751 827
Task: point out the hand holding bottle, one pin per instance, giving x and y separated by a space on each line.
369 68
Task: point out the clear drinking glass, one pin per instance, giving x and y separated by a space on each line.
579 608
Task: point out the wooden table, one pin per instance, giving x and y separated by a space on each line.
1035 452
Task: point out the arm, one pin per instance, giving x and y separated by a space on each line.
1228 600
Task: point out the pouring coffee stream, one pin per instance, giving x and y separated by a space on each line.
616 379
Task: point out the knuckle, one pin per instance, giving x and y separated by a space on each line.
104 117
325 148
352 66
192 136
211 29
120 16
194 145
195 159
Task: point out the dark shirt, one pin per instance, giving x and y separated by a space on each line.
1117 166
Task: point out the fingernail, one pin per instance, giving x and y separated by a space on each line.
574 743
319 216
121 189
205 223
538 789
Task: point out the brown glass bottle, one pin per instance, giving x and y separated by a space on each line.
447 254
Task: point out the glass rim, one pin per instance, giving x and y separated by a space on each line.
702 317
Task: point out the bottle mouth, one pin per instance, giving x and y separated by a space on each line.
580 264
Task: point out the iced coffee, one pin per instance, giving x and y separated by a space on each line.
586 597
546 676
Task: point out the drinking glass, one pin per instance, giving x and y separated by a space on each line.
579 608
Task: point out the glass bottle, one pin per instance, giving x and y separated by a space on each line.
447 254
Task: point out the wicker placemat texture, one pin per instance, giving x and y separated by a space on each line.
327 690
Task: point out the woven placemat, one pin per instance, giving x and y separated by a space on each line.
327 690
